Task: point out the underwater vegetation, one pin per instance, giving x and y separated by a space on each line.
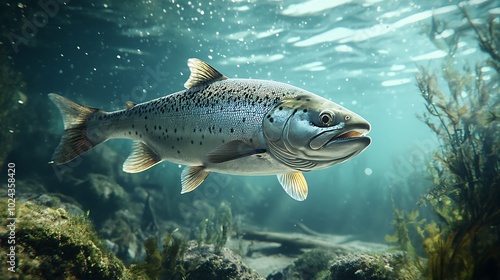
51 243
164 264
206 258
464 243
216 228
55 244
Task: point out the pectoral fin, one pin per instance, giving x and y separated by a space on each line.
294 184
232 150
141 158
192 177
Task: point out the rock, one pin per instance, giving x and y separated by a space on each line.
312 264
370 266
126 242
60 201
204 263
51 244
100 194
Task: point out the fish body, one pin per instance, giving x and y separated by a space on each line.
233 126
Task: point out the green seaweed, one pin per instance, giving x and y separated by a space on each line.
216 228
164 264
404 223
464 243
51 243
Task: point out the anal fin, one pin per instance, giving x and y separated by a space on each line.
294 184
232 150
141 158
192 177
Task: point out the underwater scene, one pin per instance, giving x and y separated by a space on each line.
263 139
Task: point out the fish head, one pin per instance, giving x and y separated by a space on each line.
310 132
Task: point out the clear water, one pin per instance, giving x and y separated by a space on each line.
362 54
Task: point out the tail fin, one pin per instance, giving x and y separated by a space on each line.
74 141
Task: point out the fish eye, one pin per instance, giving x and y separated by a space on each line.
347 117
326 117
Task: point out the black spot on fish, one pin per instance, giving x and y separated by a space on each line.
268 116
136 133
271 120
201 143
133 126
159 127
178 151
243 119
202 136
305 110
130 133
173 147
154 127
280 108
251 140
145 117
175 130
220 129
232 130
192 142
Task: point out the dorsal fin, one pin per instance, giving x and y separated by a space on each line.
201 73
129 104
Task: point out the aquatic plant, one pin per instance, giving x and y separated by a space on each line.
164 264
406 223
51 243
216 228
465 242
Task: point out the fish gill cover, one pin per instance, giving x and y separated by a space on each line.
362 55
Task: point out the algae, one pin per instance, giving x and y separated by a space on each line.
216 228
464 242
52 244
164 264
312 264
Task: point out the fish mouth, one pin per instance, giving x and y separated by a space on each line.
352 136
347 135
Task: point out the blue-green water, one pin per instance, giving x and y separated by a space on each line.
361 54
